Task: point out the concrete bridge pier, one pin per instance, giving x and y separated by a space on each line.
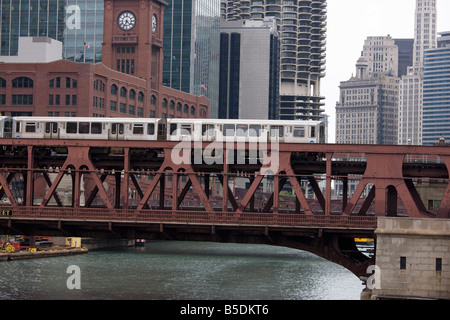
412 259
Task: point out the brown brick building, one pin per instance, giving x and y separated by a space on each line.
126 84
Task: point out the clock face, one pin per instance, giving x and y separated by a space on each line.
154 23
126 20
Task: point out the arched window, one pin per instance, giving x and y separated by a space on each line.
179 107
132 94
114 90
164 103
140 96
22 82
123 92
172 105
153 100
2 83
192 110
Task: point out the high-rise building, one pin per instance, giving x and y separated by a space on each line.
192 48
410 102
78 24
405 55
367 109
249 69
301 25
436 92
381 54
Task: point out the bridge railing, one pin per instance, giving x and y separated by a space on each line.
194 217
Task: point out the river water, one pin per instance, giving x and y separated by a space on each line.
180 271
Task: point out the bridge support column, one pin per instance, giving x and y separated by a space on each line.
412 258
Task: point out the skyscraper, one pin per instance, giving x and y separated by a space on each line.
410 102
436 91
249 70
192 48
301 25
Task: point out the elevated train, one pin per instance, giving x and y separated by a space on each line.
152 129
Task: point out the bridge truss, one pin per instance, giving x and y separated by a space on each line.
309 196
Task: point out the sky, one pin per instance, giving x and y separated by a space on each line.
349 23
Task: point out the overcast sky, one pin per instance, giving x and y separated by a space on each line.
349 23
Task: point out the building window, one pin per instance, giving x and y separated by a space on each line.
123 92
153 100
113 105
22 99
74 99
22 82
131 109
164 103
114 90
132 94
178 107
192 110
186 108
402 263
152 114
140 96
172 105
438 264
2 99
140 112
2 83
122 107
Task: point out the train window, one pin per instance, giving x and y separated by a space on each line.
138 129
151 129
228 130
83 127
72 127
96 128
313 132
277 131
173 129
186 129
18 125
299 132
30 127
241 130
208 129
255 131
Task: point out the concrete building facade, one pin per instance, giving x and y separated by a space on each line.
249 70
412 259
366 112
411 99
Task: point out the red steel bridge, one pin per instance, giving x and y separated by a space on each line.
284 195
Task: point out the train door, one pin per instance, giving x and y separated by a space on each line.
276 133
51 130
117 131
162 130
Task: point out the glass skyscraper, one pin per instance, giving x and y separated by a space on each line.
436 92
192 48
78 24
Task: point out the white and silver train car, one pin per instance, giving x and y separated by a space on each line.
5 126
164 129
89 128
281 131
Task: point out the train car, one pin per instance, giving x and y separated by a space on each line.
89 128
244 130
5 126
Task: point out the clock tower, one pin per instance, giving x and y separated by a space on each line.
132 38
